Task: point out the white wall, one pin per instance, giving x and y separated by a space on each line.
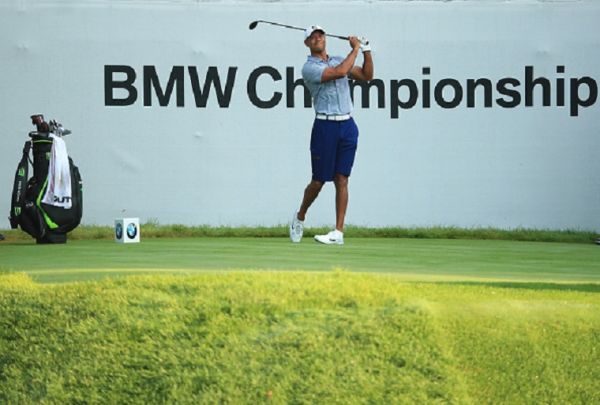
531 166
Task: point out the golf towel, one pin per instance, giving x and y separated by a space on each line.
58 192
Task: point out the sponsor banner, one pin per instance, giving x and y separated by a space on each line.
480 113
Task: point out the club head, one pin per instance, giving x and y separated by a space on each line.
253 25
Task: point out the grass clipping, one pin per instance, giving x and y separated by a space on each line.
293 338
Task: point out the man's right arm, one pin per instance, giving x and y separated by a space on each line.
344 68
366 71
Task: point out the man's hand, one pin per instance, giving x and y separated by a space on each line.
354 42
365 46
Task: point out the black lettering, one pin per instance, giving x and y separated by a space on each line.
110 84
487 92
366 90
251 87
151 81
426 88
212 80
439 93
290 87
395 102
560 87
530 84
576 101
502 87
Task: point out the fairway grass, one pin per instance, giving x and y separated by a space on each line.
297 337
413 259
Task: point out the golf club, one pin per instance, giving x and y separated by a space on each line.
253 25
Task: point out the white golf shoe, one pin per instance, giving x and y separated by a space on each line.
296 229
334 237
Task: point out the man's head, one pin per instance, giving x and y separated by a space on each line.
314 39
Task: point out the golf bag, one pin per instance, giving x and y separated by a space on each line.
47 223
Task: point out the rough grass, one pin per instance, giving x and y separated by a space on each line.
273 337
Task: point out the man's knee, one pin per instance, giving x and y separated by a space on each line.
340 180
316 185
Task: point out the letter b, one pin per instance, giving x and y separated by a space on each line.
127 84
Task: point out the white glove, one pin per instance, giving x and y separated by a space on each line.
365 46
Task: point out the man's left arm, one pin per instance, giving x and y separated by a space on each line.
364 72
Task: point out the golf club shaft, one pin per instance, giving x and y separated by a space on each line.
297 28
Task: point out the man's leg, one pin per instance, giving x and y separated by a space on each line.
341 200
297 225
346 151
336 237
310 195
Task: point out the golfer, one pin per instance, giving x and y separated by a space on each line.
334 134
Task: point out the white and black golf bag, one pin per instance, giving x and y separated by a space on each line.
46 222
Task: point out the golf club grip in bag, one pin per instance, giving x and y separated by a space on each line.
44 222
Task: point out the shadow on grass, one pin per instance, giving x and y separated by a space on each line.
589 288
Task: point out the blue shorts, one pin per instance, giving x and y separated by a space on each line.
332 148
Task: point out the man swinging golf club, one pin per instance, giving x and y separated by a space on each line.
334 134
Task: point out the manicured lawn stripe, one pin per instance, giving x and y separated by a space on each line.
430 259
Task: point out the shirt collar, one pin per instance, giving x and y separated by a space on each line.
315 59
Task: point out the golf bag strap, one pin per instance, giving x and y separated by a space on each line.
19 187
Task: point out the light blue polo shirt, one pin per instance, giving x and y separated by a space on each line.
332 97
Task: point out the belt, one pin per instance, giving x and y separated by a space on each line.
326 117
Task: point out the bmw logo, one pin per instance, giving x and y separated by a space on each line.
119 230
131 231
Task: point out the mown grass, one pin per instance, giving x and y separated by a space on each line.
415 259
153 229
296 337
